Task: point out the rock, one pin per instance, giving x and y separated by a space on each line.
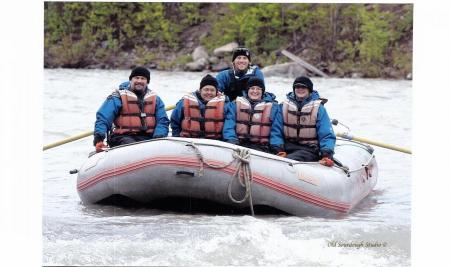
357 75
213 60
409 76
332 68
197 65
220 66
290 70
225 50
200 53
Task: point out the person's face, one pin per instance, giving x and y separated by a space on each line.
241 63
301 92
138 83
208 92
255 93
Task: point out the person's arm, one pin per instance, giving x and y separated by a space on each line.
229 126
176 118
276 130
162 121
105 116
325 133
222 80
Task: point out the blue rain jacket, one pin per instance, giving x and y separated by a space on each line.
224 80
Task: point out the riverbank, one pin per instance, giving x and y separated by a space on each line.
341 40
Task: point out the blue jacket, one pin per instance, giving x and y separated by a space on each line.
224 79
110 109
325 133
276 130
178 113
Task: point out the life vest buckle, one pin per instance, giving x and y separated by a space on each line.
143 115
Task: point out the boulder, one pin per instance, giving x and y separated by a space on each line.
290 70
197 65
220 66
199 53
225 50
213 60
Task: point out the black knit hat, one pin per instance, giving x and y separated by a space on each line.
140 71
208 80
255 81
241 51
303 82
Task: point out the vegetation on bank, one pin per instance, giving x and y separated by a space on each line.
340 39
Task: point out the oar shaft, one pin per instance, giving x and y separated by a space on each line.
68 140
82 135
372 142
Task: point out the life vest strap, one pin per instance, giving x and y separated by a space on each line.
250 123
298 113
298 126
142 114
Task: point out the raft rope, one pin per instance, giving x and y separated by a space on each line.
243 172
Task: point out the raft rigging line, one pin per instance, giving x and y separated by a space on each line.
243 172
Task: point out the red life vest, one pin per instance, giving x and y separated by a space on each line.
131 118
300 125
253 124
195 125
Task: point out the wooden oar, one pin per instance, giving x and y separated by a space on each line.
81 135
371 142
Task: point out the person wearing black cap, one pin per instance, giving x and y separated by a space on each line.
233 82
308 133
131 114
201 114
257 121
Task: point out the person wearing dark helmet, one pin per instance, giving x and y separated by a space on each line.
308 133
201 114
257 120
233 82
131 114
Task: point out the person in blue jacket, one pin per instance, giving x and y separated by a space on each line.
135 111
201 114
257 121
308 133
233 82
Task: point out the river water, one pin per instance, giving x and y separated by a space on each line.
376 233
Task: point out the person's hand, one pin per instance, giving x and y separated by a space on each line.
325 161
282 154
100 146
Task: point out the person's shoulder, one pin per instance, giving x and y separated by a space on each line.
114 94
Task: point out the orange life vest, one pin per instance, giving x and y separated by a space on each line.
195 125
253 124
300 125
133 119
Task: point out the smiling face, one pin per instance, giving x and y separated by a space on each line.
138 83
301 92
255 92
241 63
208 92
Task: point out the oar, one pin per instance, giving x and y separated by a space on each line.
371 142
81 135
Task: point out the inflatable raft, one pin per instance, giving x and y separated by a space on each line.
231 175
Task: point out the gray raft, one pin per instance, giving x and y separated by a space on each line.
206 169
